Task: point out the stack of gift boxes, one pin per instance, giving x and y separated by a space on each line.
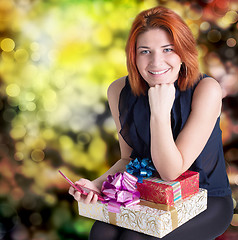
163 206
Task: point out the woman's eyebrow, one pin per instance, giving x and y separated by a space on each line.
168 45
164 46
143 47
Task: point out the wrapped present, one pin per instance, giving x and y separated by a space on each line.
147 217
159 191
120 189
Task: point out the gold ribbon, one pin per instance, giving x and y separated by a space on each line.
173 212
112 218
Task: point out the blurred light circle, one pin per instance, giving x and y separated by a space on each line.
18 156
231 42
35 218
51 199
22 107
48 134
21 55
230 53
214 36
205 26
20 146
13 90
9 114
30 96
7 44
8 57
35 56
34 46
37 155
231 16
18 132
84 138
31 106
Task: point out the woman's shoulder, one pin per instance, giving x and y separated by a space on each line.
115 88
208 86
207 94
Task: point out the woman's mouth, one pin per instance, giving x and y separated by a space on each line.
159 72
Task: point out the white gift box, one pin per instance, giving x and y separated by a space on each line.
147 217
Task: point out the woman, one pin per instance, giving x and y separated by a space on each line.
167 111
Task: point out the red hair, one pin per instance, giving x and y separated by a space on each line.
183 40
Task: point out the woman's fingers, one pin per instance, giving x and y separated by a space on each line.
95 198
90 198
71 190
77 196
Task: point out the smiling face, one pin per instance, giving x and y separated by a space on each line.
156 58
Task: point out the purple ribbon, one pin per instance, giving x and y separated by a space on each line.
120 190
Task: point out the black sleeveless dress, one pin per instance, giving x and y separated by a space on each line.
135 121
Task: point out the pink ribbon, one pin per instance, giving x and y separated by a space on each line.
120 190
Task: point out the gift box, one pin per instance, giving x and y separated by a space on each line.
147 217
158 191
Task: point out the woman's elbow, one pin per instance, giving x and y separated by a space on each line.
170 176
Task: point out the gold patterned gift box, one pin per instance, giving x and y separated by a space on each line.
147 217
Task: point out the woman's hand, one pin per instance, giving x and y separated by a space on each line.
161 98
91 197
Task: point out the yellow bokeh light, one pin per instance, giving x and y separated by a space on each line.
205 26
231 16
18 132
30 96
31 106
13 90
18 156
48 134
7 45
21 55
37 155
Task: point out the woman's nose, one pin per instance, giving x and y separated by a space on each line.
156 59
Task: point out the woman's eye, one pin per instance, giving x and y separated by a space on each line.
145 52
168 49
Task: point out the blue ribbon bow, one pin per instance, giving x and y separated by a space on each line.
141 168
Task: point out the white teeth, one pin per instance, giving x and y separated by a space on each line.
160 72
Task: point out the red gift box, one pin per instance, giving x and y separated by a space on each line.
156 190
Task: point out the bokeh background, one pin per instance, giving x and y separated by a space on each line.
57 59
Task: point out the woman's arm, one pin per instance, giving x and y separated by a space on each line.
172 158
